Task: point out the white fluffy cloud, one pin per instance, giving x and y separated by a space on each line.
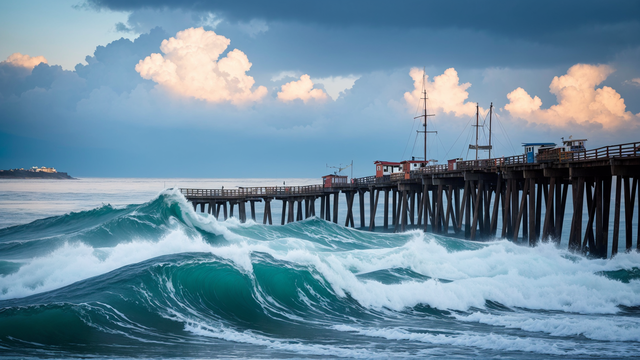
579 100
191 67
301 89
636 81
445 92
25 61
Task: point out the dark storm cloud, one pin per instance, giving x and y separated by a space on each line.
527 19
113 65
339 38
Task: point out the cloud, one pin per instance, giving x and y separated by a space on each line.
446 94
25 61
191 67
301 89
334 85
285 74
635 81
253 27
579 100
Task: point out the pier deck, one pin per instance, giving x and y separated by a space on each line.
527 199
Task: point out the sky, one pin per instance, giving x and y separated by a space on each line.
255 89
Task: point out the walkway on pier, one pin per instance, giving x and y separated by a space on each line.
527 199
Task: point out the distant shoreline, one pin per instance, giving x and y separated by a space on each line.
25 174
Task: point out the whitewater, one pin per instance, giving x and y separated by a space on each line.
154 278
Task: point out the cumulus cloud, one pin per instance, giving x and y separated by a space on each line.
635 81
25 61
301 89
191 66
579 100
446 94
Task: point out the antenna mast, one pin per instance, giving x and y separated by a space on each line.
424 115
477 125
490 128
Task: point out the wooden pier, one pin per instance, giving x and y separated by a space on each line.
528 200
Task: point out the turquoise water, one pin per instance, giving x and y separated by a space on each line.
120 277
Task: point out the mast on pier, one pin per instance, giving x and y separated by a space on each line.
424 116
477 147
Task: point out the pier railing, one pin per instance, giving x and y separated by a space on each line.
611 151
254 191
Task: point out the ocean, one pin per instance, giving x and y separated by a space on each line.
124 268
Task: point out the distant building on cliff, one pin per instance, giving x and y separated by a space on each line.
43 169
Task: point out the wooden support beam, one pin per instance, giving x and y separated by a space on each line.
589 239
306 208
322 212
616 217
518 218
606 209
267 212
506 211
386 209
477 204
349 195
629 200
312 207
449 207
361 198
253 210
548 212
284 212
327 215
299 215
394 208
412 207
420 207
493 227
292 206
525 217
372 209
467 214
564 189
575 240
542 187
515 206
243 212
456 209
487 211
336 199
202 207
442 214
532 212
434 203
437 229
427 212
231 206
405 204
224 209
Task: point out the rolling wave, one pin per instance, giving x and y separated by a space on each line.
162 279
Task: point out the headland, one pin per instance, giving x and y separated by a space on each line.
34 173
